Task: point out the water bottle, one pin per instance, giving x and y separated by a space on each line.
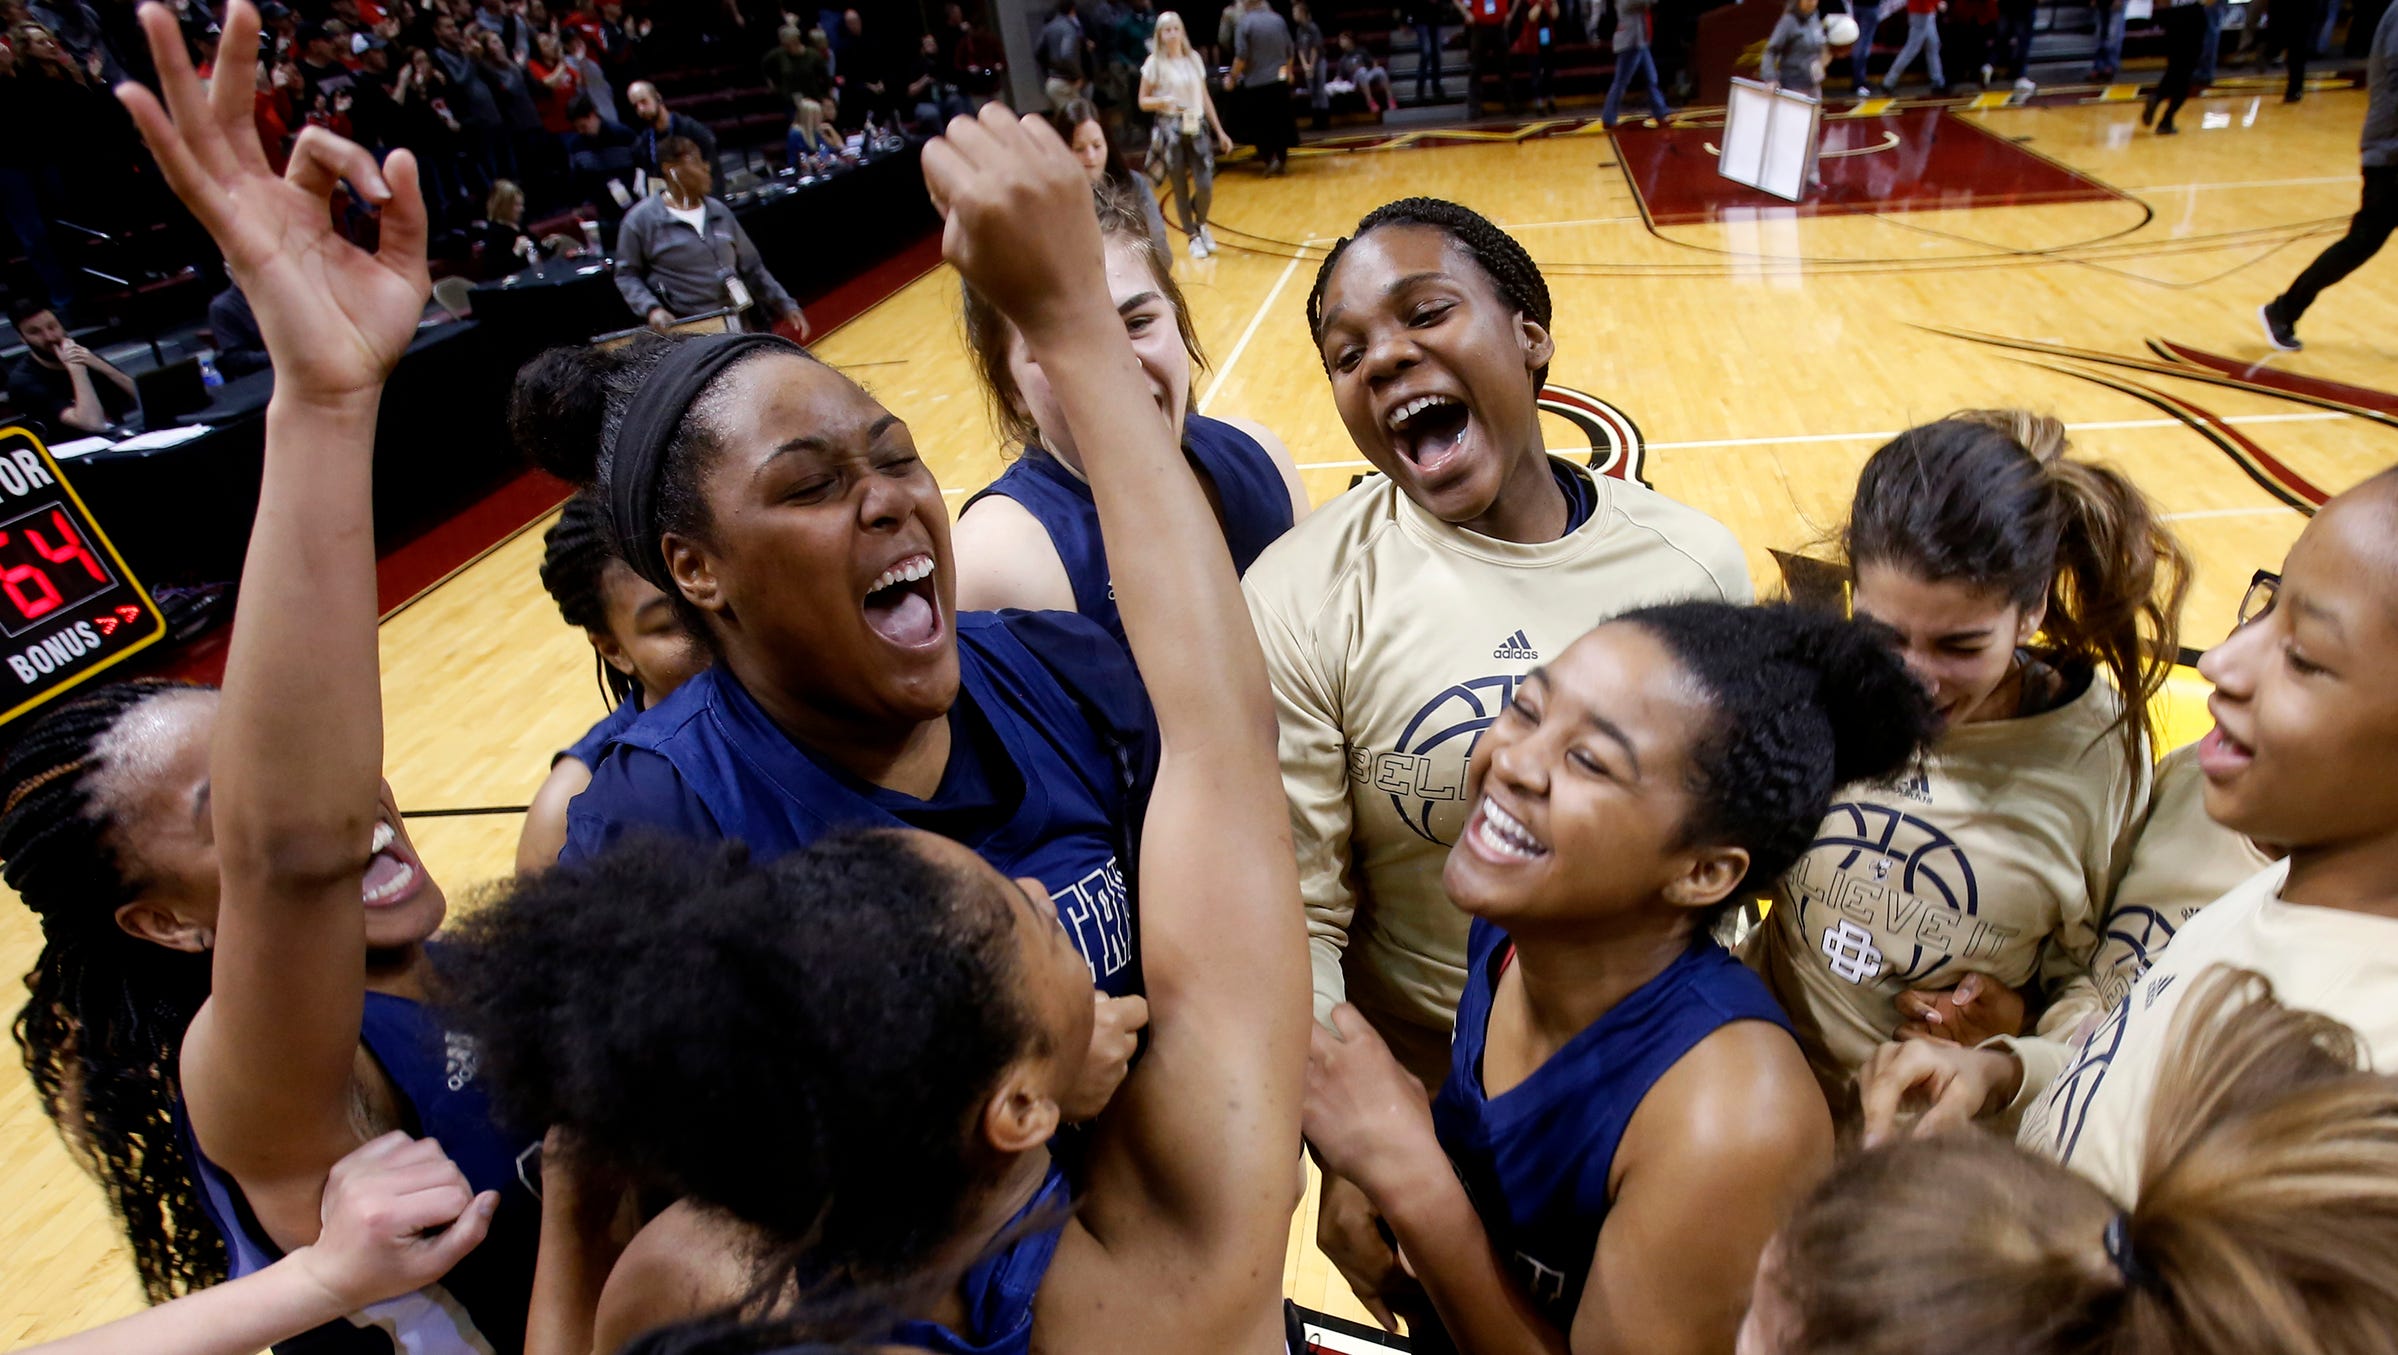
210 377
591 239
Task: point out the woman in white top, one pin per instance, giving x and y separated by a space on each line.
2036 597
1187 134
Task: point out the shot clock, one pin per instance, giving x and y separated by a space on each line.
68 606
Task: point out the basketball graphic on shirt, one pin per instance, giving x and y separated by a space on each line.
1905 873
1425 775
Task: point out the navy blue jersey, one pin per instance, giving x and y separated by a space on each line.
588 748
999 1289
1255 505
1536 1158
480 1305
1041 781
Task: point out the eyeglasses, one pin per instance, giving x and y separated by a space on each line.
2263 588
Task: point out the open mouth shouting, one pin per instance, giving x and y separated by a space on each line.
393 874
2221 757
1429 432
901 604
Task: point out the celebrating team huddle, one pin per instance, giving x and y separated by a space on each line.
959 934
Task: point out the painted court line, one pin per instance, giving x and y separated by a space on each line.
1224 373
1885 435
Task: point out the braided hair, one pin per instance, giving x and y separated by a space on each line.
102 1031
1502 259
577 551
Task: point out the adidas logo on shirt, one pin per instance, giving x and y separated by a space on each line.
1516 646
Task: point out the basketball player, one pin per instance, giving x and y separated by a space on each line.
2305 730
643 649
808 547
2266 1218
398 1215
1399 618
255 854
1627 1118
1030 538
2036 597
897 1024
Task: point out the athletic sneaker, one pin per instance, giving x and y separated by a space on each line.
1208 236
2278 332
2025 87
1199 249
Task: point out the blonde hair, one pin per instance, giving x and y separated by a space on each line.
504 194
2267 1219
1181 31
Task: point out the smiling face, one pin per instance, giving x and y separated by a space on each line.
1433 372
824 564
1959 640
153 784
1089 145
1156 340
1581 791
2306 716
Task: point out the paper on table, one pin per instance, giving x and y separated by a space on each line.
78 447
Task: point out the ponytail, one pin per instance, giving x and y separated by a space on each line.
2267 1219
1989 497
102 1031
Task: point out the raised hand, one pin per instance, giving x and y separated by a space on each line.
1019 222
397 1215
335 317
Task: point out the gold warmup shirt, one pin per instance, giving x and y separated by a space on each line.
1392 640
2093 1117
2001 855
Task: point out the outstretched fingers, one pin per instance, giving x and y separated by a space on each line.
187 99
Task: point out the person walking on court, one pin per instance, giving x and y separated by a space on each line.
2378 214
1425 17
1633 30
2185 38
1923 35
1185 133
1261 70
1794 56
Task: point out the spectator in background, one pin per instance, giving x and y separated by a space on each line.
499 240
30 183
682 253
929 96
473 109
599 160
2017 20
977 63
1064 55
1634 60
1486 52
374 117
1261 66
1923 36
76 27
321 73
594 77
2111 18
1184 131
815 104
1078 125
1535 43
1308 66
868 86
555 82
233 330
515 35
1358 69
654 124
1425 17
527 147
61 382
425 122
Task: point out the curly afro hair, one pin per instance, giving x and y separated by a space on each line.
805 1046
1805 703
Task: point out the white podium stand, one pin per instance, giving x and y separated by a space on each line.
1770 139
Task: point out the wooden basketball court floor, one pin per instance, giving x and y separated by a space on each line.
1745 359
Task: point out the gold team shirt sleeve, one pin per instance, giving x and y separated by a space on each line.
1315 778
2068 962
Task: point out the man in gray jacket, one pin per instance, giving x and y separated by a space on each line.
2378 215
681 253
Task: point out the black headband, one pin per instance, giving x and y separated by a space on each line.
650 423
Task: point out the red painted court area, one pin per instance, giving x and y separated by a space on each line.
1906 160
